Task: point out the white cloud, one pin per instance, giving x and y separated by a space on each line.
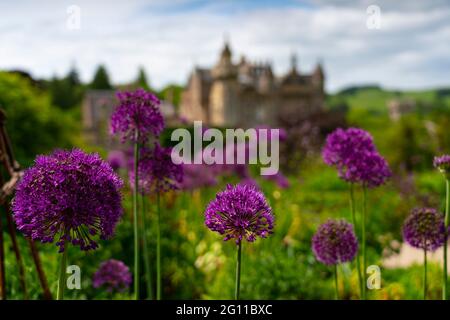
405 53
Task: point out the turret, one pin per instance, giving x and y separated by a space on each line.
318 75
224 91
224 68
266 79
294 64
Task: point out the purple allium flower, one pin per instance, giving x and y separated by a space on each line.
157 172
353 153
197 176
335 242
240 212
70 195
117 159
137 110
342 145
424 229
370 169
112 274
442 163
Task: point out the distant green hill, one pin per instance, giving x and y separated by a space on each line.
356 89
374 99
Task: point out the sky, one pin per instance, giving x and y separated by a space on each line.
402 44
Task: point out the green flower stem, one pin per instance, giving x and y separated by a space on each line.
148 272
135 219
447 218
358 263
424 274
62 275
238 272
363 235
158 248
336 287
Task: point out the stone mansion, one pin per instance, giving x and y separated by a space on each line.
247 94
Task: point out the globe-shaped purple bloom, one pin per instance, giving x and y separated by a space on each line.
344 144
137 113
370 169
197 176
424 229
240 212
156 170
353 153
114 275
442 163
117 159
70 195
335 242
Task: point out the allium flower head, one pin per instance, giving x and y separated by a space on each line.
240 212
157 172
353 153
117 159
342 145
198 176
70 195
424 228
112 274
442 163
335 242
370 169
138 111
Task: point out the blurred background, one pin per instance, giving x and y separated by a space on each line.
307 67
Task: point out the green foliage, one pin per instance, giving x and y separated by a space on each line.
34 125
141 81
198 264
410 141
66 93
101 79
172 93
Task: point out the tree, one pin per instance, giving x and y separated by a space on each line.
33 124
73 78
66 92
101 79
141 81
172 93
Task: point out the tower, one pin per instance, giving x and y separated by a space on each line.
294 64
266 80
223 95
318 77
246 93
